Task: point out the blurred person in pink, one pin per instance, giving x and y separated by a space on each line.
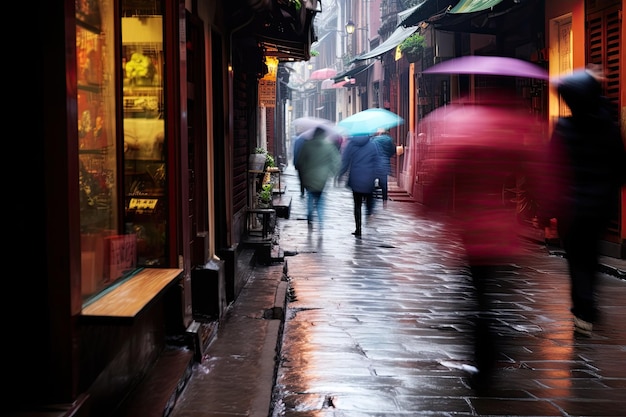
586 168
477 151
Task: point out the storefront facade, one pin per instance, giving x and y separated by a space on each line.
558 35
149 116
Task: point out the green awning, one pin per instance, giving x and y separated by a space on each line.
472 6
421 11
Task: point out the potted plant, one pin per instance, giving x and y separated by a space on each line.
265 195
412 47
268 160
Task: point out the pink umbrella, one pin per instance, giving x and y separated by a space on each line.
476 153
323 74
489 65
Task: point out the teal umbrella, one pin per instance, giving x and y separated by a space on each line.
368 121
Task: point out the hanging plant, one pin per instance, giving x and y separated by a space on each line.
296 4
412 46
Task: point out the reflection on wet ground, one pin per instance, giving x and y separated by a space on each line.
381 325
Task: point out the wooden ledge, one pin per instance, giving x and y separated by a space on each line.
130 297
261 210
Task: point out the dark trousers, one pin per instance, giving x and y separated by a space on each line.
485 341
301 184
580 238
359 198
384 187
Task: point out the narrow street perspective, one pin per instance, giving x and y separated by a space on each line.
381 325
323 208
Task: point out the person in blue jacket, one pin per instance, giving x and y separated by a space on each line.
386 149
361 161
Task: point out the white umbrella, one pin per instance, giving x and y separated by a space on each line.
309 122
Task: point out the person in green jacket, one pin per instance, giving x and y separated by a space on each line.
318 160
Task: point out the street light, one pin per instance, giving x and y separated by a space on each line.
350 27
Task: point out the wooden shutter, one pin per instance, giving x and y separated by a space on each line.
603 47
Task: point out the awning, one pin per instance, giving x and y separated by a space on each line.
319 40
352 72
422 11
471 6
330 83
396 38
290 34
488 16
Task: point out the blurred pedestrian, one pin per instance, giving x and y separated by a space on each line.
297 145
386 149
318 160
479 154
338 140
586 168
361 161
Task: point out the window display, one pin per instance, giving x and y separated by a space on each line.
145 171
113 247
97 178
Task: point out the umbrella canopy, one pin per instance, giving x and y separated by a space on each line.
499 124
305 123
323 74
489 65
369 121
476 161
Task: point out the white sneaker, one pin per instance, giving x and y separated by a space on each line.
583 327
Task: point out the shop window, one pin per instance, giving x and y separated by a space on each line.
98 179
113 244
145 171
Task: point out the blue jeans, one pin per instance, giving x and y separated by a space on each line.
315 202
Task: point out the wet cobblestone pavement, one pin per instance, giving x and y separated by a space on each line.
381 325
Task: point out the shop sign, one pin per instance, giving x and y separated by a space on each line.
267 92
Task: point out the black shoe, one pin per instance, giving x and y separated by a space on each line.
357 233
480 381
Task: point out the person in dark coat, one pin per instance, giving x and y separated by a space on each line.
297 145
318 160
586 168
360 159
386 149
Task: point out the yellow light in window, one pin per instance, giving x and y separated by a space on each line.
272 66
